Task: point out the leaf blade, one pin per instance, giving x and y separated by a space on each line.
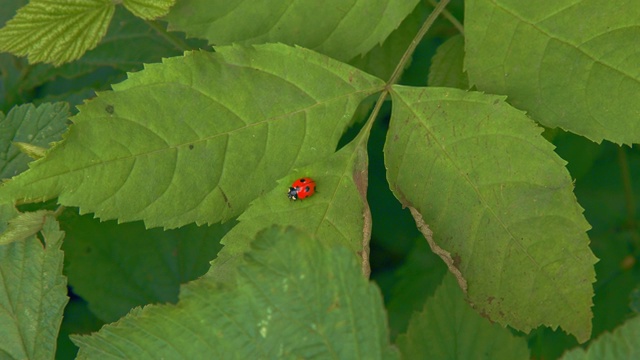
291 300
252 115
343 33
33 293
499 201
581 79
56 32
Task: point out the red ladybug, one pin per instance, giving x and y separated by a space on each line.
302 188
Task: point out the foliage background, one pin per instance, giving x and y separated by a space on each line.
130 264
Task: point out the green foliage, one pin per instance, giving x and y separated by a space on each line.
449 329
169 180
275 309
32 291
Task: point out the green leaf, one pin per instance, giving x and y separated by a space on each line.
27 124
417 279
621 344
24 225
215 130
149 9
338 213
120 266
580 78
448 328
335 28
499 202
447 65
295 298
129 42
33 294
56 32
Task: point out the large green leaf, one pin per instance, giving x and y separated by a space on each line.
337 28
337 214
33 293
196 138
621 344
569 65
30 125
499 202
56 31
296 297
116 267
448 328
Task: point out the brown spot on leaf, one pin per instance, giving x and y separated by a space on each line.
444 255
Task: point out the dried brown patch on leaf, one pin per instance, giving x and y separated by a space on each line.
444 255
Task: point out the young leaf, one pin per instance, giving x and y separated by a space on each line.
295 297
499 202
27 124
56 32
121 266
33 294
148 9
196 138
621 344
332 27
337 214
448 328
23 225
583 79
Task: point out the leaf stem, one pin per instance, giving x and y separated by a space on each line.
397 72
452 19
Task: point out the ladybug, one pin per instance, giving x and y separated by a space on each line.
301 188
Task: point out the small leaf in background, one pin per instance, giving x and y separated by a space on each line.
499 201
447 65
56 32
39 126
417 279
583 78
201 125
23 225
33 293
338 213
622 344
148 9
447 328
341 30
295 297
121 266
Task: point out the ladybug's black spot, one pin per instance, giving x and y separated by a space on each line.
303 180
191 147
306 188
109 109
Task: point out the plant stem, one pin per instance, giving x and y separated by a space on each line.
452 19
414 43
